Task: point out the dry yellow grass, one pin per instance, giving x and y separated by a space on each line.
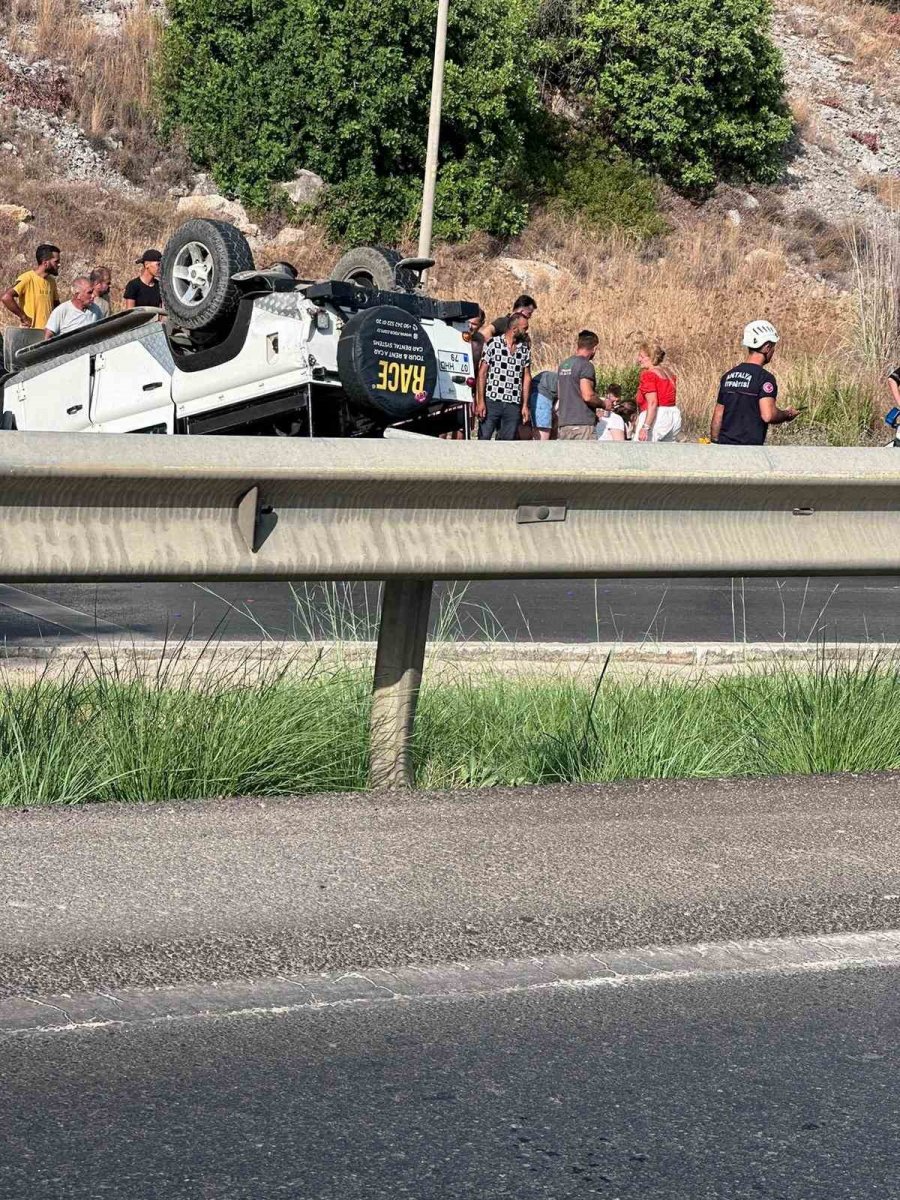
885 187
92 227
693 293
110 76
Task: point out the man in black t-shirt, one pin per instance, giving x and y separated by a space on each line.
746 405
525 306
143 291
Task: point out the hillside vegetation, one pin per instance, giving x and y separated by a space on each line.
690 89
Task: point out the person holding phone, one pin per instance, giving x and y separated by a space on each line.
748 394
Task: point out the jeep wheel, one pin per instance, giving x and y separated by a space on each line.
374 267
198 262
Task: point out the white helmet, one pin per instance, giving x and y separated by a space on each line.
758 333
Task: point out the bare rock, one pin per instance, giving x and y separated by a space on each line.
290 235
304 188
217 208
16 212
733 217
203 186
529 271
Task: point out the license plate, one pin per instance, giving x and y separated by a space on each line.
454 362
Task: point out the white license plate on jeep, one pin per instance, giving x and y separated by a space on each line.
454 362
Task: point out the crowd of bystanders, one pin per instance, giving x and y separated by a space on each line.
512 403
509 402
35 303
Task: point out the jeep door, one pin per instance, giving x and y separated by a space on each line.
132 391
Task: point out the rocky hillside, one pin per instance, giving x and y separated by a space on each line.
843 70
842 60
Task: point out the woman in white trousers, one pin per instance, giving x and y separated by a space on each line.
659 417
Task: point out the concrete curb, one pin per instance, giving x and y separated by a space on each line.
648 966
538 654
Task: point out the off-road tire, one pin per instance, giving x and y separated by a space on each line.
374 267
229 254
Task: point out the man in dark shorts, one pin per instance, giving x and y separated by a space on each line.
746 405
504 382
143 291
577 390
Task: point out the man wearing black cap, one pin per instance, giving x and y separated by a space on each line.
143 290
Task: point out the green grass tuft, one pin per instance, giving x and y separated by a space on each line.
108 735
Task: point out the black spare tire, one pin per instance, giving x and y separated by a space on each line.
374 267
386 362
198 262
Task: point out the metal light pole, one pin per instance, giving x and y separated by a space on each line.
434 130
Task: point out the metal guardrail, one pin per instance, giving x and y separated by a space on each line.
112 508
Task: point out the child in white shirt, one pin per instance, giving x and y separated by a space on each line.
617 425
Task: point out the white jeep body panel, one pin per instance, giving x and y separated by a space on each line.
283 344
455 366
132 385
124 375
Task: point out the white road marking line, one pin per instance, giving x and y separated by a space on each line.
489 979
73 620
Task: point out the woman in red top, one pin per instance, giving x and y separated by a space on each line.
659 419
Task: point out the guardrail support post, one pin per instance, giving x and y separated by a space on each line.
405 606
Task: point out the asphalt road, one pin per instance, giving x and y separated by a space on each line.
233 1000
691 610
779 1087
133 895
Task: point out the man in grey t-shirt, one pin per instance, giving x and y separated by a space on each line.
75 313
577 384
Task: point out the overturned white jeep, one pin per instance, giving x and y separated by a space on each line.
253 352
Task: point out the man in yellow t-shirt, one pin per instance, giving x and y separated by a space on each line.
33 296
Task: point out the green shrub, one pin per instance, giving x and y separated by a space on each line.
603 189
342 87
840 407
627 379
692 88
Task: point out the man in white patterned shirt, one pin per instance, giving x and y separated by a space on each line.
504 382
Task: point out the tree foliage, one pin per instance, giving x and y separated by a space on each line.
342 87
694 89
601 188
691 90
